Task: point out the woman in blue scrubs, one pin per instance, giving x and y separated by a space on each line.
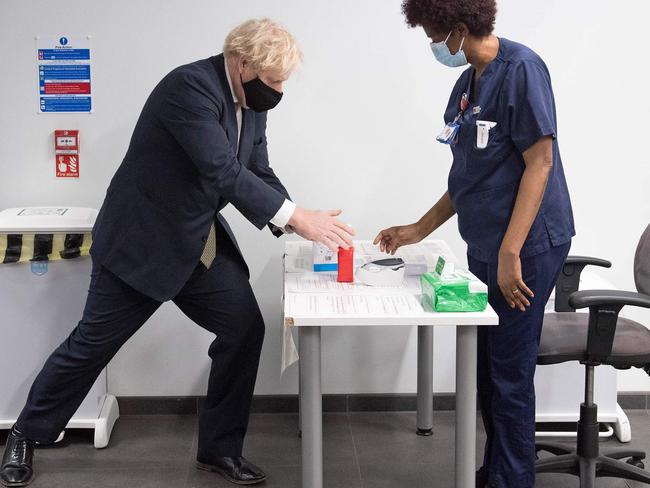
507 186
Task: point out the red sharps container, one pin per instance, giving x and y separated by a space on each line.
346 265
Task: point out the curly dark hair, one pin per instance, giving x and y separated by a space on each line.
444 15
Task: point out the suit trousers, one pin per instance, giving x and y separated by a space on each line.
219 299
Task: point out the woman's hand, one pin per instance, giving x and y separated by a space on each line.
391 239
511 283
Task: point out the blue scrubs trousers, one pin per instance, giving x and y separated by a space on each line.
507 356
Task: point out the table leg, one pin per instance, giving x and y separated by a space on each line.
311 406
425 380
299 390
466 343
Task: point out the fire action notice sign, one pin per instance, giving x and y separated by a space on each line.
64 65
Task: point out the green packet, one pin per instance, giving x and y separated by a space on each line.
455 291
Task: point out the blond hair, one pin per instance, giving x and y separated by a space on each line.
267 45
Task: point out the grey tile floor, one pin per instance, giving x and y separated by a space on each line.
369 450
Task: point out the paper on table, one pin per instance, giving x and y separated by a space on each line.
314 304
327 283
289 350
307 297
311 304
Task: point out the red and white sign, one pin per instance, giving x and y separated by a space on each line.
66 149
67 166
72 88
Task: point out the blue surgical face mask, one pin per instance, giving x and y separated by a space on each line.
443 54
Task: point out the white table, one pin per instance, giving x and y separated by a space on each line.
311 387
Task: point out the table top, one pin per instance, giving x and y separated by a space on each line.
317 299
24 220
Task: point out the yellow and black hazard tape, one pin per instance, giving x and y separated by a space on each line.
18 248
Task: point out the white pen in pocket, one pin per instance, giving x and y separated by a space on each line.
483 132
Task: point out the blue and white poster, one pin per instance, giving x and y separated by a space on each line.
64 82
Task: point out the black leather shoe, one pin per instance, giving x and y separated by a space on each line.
236 470
17 461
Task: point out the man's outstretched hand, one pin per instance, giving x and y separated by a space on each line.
322 226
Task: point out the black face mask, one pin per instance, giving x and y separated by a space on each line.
260 97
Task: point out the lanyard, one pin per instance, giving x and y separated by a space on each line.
464 104
464 99
450 132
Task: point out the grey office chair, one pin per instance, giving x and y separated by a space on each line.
600 337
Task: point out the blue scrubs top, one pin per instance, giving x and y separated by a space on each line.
515 92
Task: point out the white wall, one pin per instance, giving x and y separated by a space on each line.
355 130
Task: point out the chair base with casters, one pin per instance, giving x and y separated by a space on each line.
587 461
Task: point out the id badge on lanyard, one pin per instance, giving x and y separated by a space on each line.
449 134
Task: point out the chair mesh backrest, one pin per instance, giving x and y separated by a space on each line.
642 263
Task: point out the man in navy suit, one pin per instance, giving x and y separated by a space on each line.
198 145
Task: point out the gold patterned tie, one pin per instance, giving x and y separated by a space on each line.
210 249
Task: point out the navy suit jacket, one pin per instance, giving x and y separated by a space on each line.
182 167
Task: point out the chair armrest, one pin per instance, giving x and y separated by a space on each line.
608 298
604 307
585 260
569 279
